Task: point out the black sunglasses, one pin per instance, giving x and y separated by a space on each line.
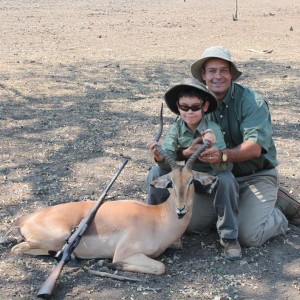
187 108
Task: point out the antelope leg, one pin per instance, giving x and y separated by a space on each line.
139 263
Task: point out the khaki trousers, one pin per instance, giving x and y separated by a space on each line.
258 219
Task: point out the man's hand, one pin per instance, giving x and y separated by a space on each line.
211 155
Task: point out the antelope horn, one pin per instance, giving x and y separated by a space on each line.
189 164
158 148
161 124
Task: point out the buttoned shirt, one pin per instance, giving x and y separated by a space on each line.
243 115
180 136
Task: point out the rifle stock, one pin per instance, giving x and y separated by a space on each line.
48 286
64 255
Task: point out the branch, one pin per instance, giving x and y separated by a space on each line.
235 17
113 276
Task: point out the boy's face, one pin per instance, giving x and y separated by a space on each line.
191 118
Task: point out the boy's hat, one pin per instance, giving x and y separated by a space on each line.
171 96
214 52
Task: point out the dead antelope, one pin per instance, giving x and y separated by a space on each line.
128 231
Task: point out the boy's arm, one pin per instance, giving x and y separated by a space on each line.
169 145
184 153
206 135
157 157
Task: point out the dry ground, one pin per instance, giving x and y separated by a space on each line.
81 83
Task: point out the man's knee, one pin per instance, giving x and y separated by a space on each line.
250 239
227 180
155 172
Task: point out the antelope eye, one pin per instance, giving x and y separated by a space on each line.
191 182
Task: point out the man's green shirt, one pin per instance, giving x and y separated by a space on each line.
243 115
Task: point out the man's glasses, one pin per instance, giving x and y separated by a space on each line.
187 108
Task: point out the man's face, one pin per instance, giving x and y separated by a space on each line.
218 76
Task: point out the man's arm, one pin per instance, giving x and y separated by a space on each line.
245 151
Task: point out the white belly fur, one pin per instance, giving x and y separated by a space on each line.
96 247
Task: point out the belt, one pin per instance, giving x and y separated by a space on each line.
252 172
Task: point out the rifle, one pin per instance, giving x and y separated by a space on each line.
64 255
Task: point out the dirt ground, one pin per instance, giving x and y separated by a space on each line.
81 84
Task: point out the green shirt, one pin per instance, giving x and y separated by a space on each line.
179 135
243 115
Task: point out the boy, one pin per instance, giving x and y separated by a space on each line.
191 99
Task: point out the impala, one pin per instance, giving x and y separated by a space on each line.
129 232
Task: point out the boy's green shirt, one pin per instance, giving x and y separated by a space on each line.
180 136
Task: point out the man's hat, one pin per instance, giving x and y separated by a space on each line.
214 52
171 96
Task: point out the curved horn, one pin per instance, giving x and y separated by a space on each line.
161 124
158 148
189 164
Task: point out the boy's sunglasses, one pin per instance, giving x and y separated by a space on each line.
187 108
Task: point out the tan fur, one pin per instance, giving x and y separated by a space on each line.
128 231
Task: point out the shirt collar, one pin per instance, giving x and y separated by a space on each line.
186 129
230 95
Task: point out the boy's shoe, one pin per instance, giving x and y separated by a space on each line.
289 206
232 249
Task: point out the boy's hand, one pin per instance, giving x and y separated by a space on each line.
195 144
156 155
209 135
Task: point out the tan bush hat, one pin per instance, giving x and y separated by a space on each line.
214 52
171 96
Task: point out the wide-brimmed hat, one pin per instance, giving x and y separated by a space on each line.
171 96
214 52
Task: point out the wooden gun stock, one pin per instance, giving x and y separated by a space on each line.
45 291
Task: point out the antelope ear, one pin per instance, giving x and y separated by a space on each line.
206 182
162 182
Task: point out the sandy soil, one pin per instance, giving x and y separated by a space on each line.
81 84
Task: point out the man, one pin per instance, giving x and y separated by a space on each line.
245 121
191 101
